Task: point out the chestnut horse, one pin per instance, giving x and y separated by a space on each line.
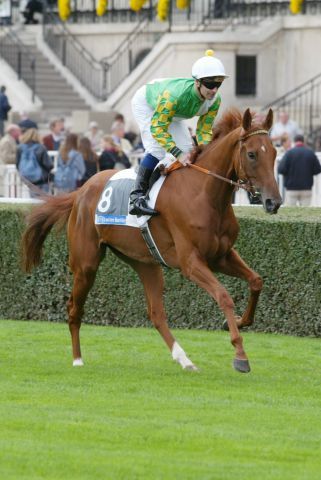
195 231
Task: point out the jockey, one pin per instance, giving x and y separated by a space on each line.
159 108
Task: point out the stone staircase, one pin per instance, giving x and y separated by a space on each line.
57 95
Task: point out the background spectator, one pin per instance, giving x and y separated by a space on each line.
119 117
27 123
5 107
111 156
8 150
138 146
284 126
70 165
53 140
118 136
90 158
64 130
9 143
298 166
131 136
286 144
32 7
30 140
95 135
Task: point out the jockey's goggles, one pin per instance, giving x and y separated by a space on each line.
210 83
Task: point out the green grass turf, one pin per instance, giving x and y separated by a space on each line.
132 413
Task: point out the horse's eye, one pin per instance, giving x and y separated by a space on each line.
251 155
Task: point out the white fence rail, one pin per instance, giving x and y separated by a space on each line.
14 188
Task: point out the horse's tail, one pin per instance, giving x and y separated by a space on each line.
55 211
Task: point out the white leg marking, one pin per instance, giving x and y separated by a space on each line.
78 362
180 356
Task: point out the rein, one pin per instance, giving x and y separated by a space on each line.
245 184
177 165
237 184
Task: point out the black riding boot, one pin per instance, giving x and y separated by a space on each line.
138 205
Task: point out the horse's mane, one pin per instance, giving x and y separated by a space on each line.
229 121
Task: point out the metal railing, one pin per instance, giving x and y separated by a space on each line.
118 11
19 57
303 104
84 11
248 11
129 54
99 77
240 11
90 72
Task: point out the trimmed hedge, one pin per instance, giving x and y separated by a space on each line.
284 249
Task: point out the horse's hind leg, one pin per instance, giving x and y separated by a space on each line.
84 259
233 265
153 281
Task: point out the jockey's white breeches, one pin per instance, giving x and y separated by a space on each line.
143 114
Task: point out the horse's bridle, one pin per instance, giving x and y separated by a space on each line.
256 132
243 183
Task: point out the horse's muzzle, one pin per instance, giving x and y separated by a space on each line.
272 206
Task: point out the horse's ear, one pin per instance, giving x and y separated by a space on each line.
268 122
247 119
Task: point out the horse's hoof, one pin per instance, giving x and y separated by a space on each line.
78 362
242 366
191 368
225 326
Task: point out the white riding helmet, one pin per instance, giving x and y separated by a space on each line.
208 66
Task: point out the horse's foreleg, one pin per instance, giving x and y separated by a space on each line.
232 264
153 281
197 270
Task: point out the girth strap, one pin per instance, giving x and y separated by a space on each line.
152 247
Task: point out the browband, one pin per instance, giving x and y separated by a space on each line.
256 132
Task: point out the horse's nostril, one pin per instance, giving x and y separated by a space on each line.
271 206
268 204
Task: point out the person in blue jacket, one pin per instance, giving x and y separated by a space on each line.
298 167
